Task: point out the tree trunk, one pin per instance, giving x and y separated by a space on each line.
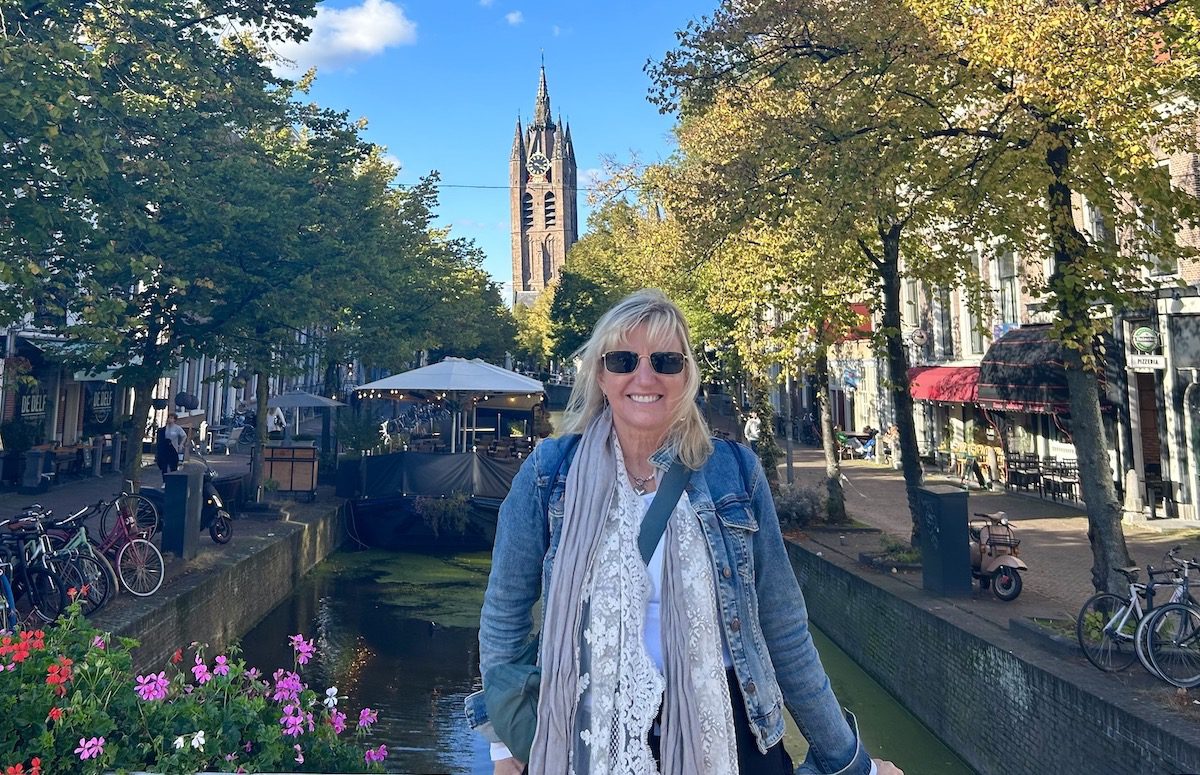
1081 363
835 496
261 392
142 392
897 362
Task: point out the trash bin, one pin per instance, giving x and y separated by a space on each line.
945 551
232 491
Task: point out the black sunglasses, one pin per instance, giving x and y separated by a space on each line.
626 361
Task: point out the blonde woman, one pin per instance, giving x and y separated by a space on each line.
681 666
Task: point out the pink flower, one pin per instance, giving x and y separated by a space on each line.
287 686
337 720
367 717
299 753
98 642
152 686
375 754
292 721
222 666
90 749
200 670
304 649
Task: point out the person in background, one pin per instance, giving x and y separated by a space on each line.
868 446
682 666
753 430
168 445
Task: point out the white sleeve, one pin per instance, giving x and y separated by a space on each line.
500 751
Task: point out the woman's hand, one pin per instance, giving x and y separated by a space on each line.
512 766
882 768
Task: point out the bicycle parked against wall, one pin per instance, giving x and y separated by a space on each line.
92 581
1108 626
127 523
39 595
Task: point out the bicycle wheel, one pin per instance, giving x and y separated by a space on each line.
140 566
137 506
90 581
1105 629
42 595
8 611
1174 644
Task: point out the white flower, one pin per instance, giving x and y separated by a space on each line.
331 697
179 742
198 740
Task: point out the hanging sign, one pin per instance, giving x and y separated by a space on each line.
1145 339
1137 361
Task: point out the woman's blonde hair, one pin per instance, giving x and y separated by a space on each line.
688 436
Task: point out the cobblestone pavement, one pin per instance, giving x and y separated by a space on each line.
1053 535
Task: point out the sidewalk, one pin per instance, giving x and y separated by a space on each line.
1053 535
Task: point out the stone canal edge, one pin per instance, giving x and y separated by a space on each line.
1003 703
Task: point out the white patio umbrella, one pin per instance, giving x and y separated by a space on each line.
461 378
297 399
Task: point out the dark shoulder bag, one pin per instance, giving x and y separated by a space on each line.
511 688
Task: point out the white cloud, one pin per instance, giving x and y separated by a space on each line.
556 30
514 17
342 36
486 3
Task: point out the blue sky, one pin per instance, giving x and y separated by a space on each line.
441 83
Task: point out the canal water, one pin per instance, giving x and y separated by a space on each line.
397 632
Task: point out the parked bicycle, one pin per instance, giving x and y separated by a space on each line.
1108 626
126 524
85 577
39 594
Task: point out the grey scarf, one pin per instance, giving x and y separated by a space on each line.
589 498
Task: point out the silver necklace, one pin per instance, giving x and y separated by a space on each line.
640 482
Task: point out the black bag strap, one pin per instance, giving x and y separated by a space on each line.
655 521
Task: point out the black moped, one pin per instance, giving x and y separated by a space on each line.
213 515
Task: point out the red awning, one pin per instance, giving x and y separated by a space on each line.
951 384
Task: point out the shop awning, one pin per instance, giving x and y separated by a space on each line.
949 384
1023 371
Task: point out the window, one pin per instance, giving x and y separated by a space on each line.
527 211
1006 271
1157 249
1098 226
944 318
551 214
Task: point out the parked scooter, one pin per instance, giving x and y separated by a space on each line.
994 556
213 515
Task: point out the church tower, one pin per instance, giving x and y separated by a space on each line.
545 215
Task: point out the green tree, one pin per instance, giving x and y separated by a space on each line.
848 118
1098 116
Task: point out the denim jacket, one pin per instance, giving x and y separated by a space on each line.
763 611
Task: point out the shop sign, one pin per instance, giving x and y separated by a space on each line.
98 407
31 403
1137 361
1145 339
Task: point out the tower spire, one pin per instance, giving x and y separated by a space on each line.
518 149
541 111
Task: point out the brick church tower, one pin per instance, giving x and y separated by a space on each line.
545 214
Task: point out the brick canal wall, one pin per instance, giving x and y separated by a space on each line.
228 589
1002 713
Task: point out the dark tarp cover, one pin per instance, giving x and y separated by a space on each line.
1023 371
424 473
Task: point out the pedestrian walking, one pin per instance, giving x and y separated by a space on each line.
752 430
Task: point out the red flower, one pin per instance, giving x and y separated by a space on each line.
35 766
56 713
58 674
16 769
177 657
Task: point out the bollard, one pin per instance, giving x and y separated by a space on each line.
945 550
183 494
98 455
